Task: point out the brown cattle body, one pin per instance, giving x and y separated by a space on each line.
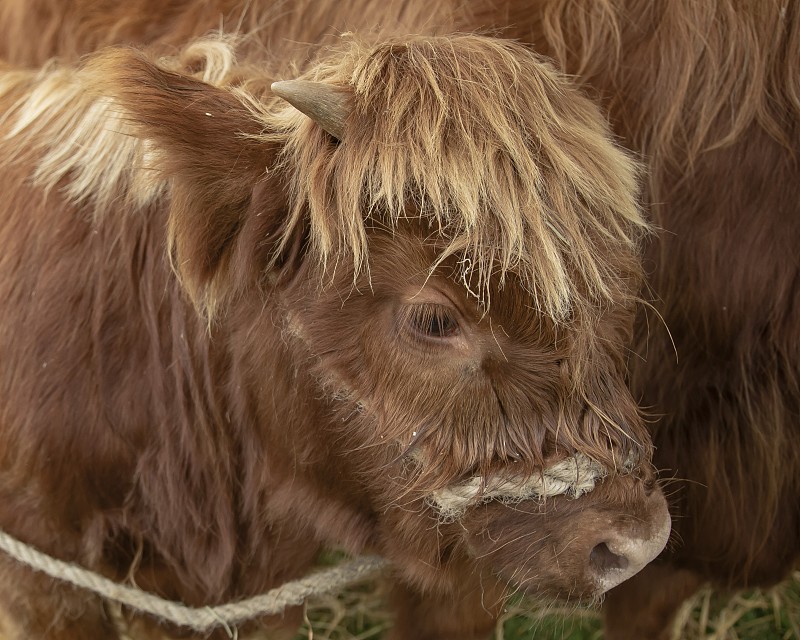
709 94
230 339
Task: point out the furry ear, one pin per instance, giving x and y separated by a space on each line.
204 139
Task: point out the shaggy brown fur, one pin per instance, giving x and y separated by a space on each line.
709 94
229 339
286 32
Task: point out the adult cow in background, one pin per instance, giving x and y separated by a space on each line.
234 331
709 94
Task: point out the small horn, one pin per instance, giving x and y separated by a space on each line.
325 104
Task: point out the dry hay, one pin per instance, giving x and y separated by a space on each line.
773 614
359 613
770 614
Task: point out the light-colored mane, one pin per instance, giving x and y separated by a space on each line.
475 137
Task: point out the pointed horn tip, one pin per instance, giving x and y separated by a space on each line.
280 87
323 103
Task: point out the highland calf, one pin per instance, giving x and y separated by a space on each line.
235 331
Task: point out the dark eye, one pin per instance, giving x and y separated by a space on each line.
431 320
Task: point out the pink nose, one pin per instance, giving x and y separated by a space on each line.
573 548
622 554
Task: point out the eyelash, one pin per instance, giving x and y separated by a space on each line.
432 321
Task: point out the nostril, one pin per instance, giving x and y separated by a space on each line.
628 545
602 559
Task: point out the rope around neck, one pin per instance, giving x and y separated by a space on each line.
572 476
202 619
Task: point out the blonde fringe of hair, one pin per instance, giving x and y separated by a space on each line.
490 148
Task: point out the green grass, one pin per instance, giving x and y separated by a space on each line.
360 614
524 623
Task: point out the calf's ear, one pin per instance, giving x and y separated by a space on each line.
204 141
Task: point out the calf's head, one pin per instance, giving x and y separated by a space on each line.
443 238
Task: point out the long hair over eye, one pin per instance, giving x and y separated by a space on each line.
431 321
